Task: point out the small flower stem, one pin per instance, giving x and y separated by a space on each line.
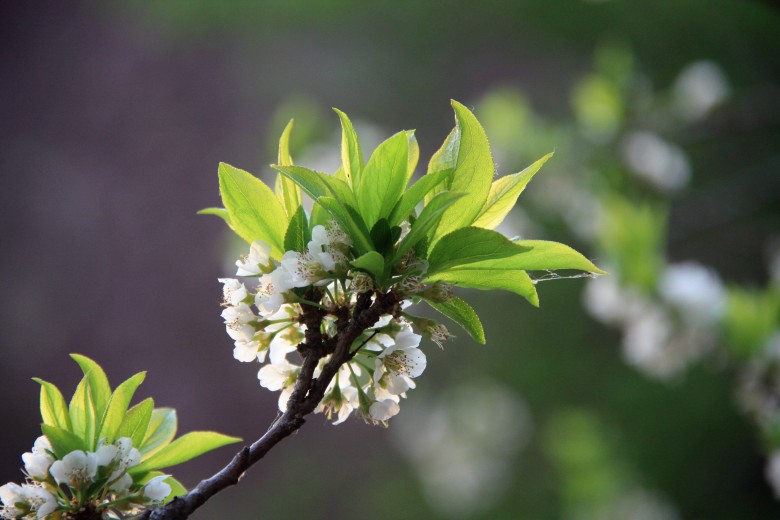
352 354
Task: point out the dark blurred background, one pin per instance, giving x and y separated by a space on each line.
115 115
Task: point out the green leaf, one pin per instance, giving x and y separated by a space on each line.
160 432
136 421
217 212
297 235
504 193
98 382
82 412
473 173
382 237
514 280
541 255
351 156
461 313
54 411
429 217
415 194
317 184
468 245
446 157
346 220
62 441
183 449
319 216
384 179
288 193
117 407
373 263
255 212
413 156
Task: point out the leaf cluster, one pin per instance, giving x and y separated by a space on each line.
439 229
96 413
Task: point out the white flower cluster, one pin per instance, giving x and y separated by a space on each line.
662 336
96 480
266 323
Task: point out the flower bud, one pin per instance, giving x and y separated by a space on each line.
362 282
439 292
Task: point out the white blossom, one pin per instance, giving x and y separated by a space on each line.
233 291
383 410
255 349
12 494
237 319
38 461
661 163
257 262
122 484
75 468
156 490
40 500
279 376
271 291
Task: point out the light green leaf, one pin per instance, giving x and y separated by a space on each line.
461 313
160 432
415 194
99 389
429 217
541 255
317 184
183 449
351 155
319 216
289 194
117 407
297 235
514 280
136 421
414 155
217 212
63 441
82 412
384 179
468 245
345 219
473 174
503 195
54 411
373 263
446 157
255 212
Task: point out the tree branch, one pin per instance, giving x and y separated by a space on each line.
306 395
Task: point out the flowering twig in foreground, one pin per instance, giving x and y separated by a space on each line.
307 394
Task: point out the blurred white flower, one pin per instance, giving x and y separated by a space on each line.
772 472
644 343
699 88
463 445
695 290
662 164
610 303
